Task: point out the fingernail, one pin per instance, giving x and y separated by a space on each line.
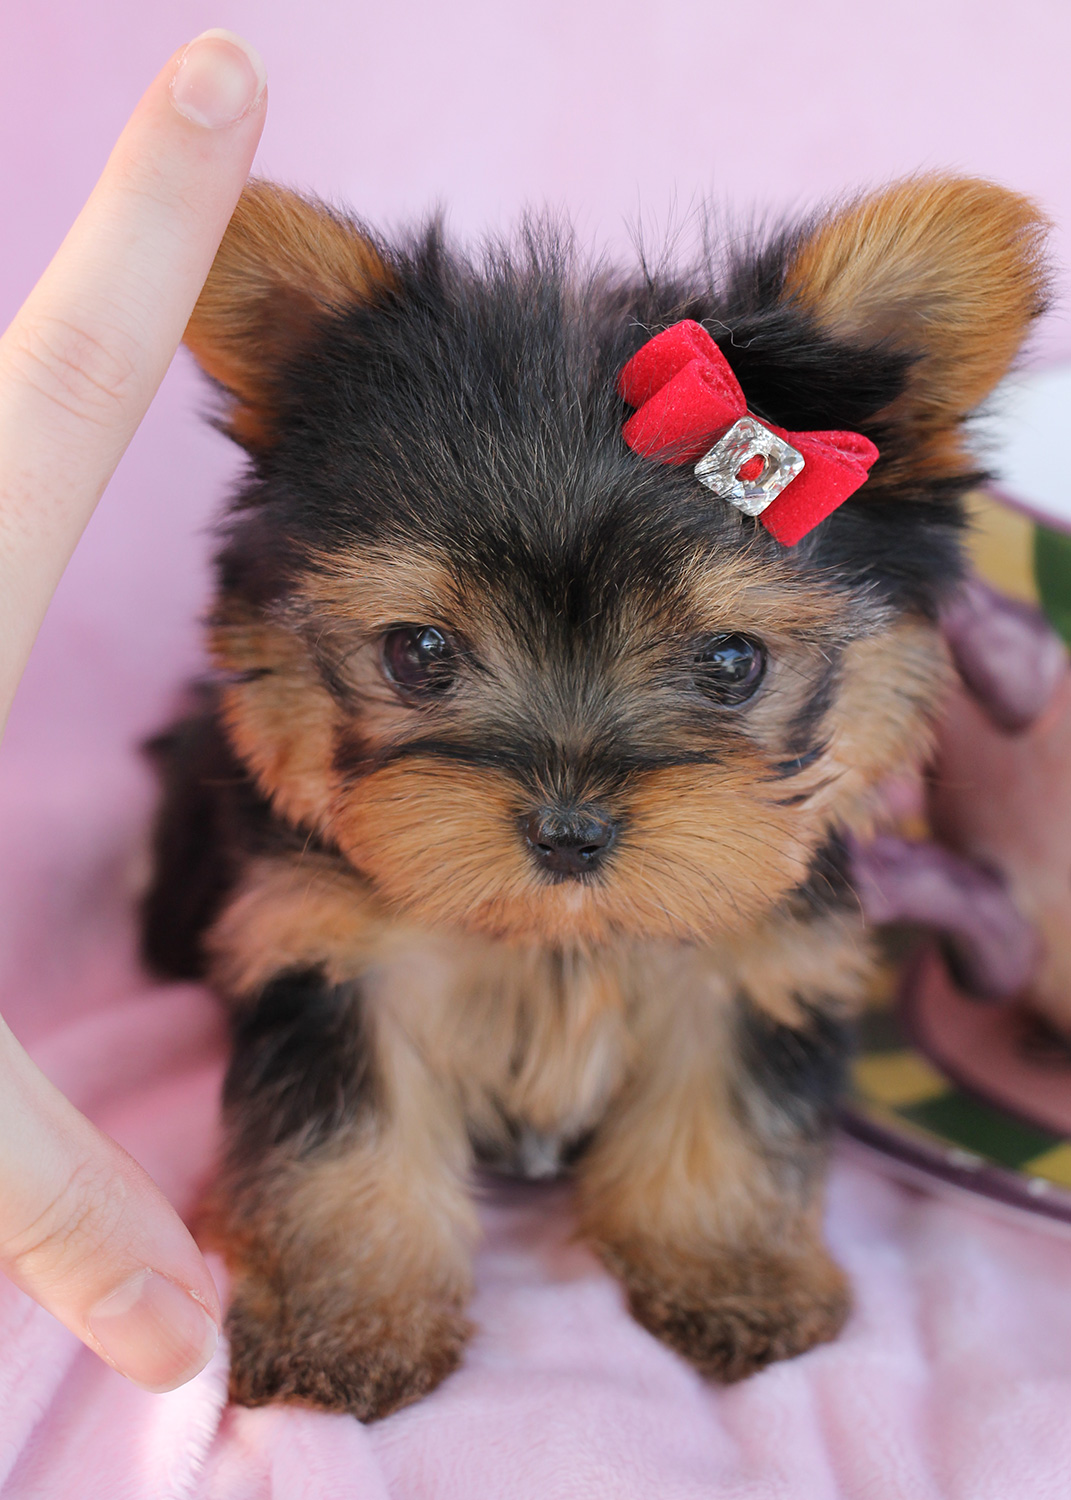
154 1332
218 79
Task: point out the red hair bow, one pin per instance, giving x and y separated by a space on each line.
690 406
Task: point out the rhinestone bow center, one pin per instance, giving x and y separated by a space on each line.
729 469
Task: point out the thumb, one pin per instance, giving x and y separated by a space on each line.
85 1231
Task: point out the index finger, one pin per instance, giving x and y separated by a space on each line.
84 356
82 1228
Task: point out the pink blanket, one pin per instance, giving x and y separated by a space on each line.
953 1378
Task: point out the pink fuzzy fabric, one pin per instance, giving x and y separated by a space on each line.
953 1378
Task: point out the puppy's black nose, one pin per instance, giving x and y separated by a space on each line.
569 842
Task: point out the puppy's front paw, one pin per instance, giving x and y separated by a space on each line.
734 1314
369 1363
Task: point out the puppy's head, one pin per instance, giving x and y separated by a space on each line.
535 685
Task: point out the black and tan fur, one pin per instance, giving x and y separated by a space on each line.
434 441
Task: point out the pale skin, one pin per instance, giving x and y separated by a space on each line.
83 1230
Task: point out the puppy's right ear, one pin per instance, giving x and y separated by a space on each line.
285 266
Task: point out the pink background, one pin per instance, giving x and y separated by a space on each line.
619 113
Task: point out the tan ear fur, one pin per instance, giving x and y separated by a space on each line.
285 262
950 269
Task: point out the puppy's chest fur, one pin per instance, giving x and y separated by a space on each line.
539 1040
533 1043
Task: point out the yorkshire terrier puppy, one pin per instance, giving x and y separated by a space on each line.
511 828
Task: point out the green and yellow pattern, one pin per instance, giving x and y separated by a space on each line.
901 1103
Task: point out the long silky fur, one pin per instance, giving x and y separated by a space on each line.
435 437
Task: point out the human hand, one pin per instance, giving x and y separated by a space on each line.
83 1229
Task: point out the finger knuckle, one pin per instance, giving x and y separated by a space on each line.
85 1212
86 373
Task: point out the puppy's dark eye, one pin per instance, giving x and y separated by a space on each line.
729 668
422 660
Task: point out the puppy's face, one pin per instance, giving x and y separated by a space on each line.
529 683
560 749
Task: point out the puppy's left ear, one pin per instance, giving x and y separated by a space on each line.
287 264
948 271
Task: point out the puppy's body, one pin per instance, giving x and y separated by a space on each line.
511 829
376 1061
